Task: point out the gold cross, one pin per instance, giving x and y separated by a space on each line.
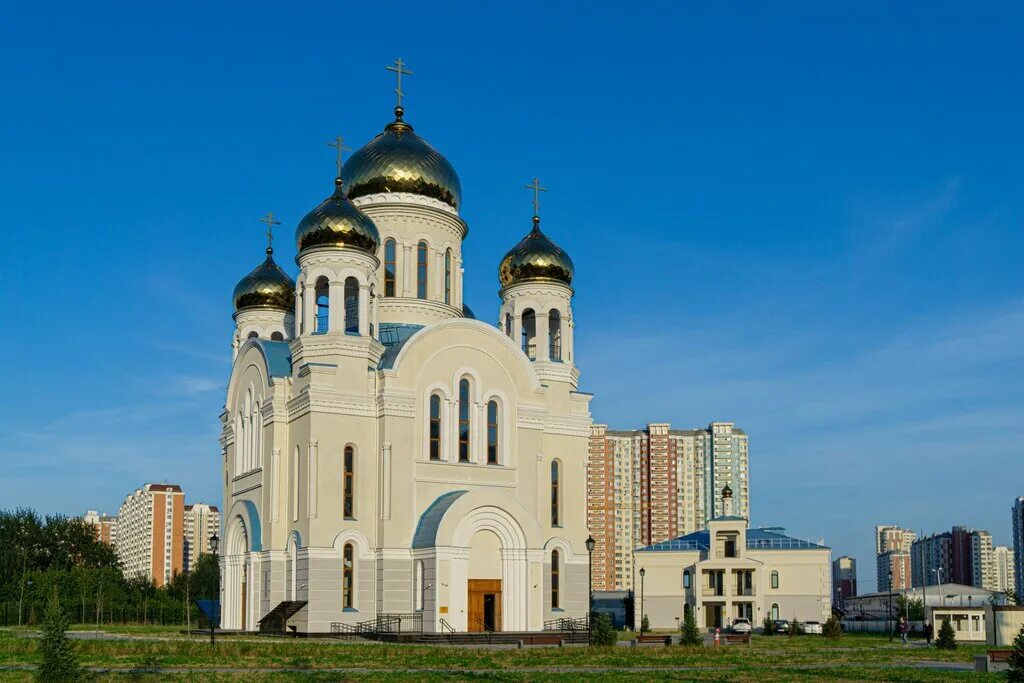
269 220
339 144
537 189
397 68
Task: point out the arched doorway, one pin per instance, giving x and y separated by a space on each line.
483 582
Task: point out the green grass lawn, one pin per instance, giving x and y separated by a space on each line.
854 657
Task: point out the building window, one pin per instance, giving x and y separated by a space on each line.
556 494
555 335
349 499
295 485
508 325
435 427
448 276
554 579
323 305
686 578
464 408
529 334
348 577
351 305
389 268
492 432
775 611
419 586
421 270
775 579
276 336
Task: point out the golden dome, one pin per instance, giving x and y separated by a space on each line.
267 287
337 223
398 160
535 258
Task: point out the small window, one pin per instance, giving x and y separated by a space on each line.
508 325
323 305
775 611
351 305
464 409
420 585
555 494
492 432
435 427
349 484
253 335
555 579
529 334
448 276
421 270
277 336
775 579
686 578
389 268
555 335
348 577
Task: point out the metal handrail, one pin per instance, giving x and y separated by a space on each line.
483 627
447 628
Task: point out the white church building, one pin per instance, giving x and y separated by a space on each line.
384 452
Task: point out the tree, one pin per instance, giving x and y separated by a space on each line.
691 634
601 630
768 626
912 609
795 629
832 628
1015 673
59 660
946 639
645 625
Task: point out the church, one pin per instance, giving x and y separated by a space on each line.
384 451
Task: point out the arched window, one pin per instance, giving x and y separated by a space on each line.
351 305
323 305
448 276
529 335
556 494
555 571
277 336
492 433
775 579
239 443
253 335
686 578
775 611
389 268
418 587
295 485
555 335
349 482
435 427
348 575
464 408
421 270
508 325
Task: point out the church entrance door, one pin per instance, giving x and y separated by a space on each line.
484 605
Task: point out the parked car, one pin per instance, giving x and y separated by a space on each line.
741 625
781 626
812 627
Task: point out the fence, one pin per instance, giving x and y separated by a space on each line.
877 626
32 612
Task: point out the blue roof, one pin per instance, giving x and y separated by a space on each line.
765 538
394 336
278 355
426 528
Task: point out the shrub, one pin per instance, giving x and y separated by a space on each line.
691 634
946 639
601 630
832 628
795 629
645 625
1015 673
768 627
59 661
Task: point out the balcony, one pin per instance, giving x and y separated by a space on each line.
745 592
712 592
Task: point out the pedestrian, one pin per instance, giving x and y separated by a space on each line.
904 629
928 631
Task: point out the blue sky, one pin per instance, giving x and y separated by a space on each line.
803 218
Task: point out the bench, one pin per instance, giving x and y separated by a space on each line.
992 660
651 638
731 638
541 640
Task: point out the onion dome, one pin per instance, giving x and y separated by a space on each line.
727 492
398 160
535 258
267 287
337 223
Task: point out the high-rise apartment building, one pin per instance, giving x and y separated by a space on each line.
1005 571
963 555
150 532
1017 516
844 579
201 522
105 525
931 559
895 540
655 484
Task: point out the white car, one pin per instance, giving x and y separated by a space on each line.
812 627
741 625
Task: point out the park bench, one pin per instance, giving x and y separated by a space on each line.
652 638
731 638
993 660
541 640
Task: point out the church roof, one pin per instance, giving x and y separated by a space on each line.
278 355
764 538
393 336
426 528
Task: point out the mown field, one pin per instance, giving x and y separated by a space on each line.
153 653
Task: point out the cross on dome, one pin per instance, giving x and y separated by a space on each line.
537 189
399 70
339 144
270 222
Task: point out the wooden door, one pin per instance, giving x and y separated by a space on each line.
481 590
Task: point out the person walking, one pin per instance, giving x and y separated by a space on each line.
904 629
928 631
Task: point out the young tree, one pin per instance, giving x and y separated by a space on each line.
832 628
768 626
59 660
946 639
795 629
645 625
1015 674
601 630
691 634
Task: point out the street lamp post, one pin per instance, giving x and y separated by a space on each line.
590 586
642 573
888 613
214 544
938 580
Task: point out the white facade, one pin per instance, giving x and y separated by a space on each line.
1005 575
150 532
202 521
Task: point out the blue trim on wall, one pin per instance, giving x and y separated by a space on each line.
255 532
426 528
